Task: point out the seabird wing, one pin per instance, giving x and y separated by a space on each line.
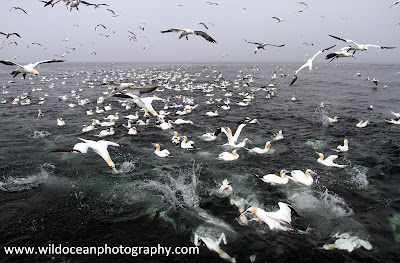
205 35
9 63
331 158
370 45
47 61
293 80
253 42
341 39
172 30
142 90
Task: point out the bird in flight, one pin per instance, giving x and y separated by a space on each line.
308 64
18 8
262 45
29 68
10 34
361 47
395 3
186 32
343 53
278 19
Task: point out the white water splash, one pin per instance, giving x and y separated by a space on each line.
179 190
125 167
18 184
40 134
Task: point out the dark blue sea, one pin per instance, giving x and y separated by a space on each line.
76 200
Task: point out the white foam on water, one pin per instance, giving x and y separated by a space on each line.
40 134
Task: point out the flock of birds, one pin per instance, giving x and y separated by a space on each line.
128 93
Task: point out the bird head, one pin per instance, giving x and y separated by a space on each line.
252 209
35 72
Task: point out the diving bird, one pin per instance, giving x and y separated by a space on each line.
144 103
361 47
186 32
29 68
210 137
274 179
130 87
226 188
308 64
262 45
213 245
301 177
10 34
329 161
99 147
279 220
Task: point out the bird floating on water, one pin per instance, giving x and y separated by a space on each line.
275 179
329 161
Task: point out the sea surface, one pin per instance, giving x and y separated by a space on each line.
73 199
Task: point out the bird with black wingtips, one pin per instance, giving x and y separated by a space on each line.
262 45
186 32
361 47
18 8
10 34
29 68
308 64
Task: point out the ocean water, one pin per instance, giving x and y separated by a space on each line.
77 200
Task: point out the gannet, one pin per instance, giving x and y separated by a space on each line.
182 121
395 3
186 32
260 150
145 102
130 87
226 188
397 122
18 8
104 133
188 145
277 136
397 115
232 139
301 177
40 113
29 68
278 19
87 128
329 161
213 245
210 137
60 122
99 147
279 220
344 52
275 179
308 64
159 152
176 139
347 242
211 113
262 45
362 124
108 123
227 156
361 47
344 147
332 120
242 144
10 34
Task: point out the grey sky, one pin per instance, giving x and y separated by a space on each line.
364 21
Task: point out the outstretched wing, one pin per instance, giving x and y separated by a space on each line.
172 30
253 42
293 80
205 35
370 45
9 63
46 61
331 158
319 52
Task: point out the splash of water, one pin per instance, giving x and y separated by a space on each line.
40 134
18 184
125 167
179 190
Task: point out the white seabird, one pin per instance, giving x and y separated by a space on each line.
29 68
